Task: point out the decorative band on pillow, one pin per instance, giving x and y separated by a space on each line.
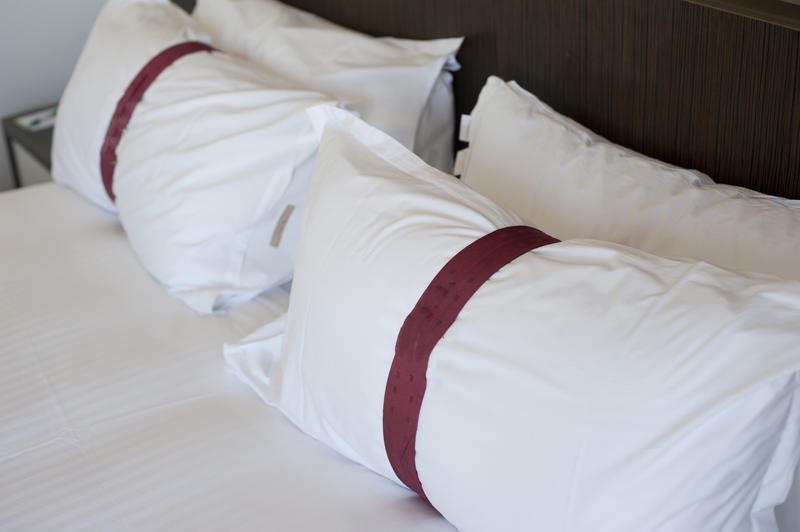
434 313
132 96
587 386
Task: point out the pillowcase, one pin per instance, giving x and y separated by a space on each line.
212 176
125 37
586 386
568 182
433 141
212 169
394 84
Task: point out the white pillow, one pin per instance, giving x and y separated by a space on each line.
433 141
212 176
126 35
389 82
566 181
585 387
212 169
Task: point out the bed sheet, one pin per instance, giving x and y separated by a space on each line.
115 409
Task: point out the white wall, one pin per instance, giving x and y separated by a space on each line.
40 41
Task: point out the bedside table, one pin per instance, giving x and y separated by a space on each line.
28 151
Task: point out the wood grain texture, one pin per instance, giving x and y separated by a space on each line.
693 86
188 5
781 12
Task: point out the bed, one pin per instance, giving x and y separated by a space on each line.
118 415
116 412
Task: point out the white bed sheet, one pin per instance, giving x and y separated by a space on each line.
116 412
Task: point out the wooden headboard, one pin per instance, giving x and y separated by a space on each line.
691 85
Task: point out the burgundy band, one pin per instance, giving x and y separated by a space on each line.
133 95
434 313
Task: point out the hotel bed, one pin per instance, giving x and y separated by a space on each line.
116 410
117 413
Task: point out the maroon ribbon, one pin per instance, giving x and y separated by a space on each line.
433 315
132 96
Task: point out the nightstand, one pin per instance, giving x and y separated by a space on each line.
28 151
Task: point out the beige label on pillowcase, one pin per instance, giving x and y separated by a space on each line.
277 234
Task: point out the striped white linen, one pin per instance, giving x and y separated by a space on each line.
115 409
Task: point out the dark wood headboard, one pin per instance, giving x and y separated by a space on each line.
687 84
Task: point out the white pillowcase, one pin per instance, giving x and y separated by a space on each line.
213 167
585 387
568 182
125 37
433 141
212 176
389 82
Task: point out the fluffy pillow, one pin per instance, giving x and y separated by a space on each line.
125 37
585 387
566 181
212 169
389 82
212 177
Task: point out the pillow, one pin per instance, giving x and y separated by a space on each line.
211 170
566 181
433 141
586 386
212 177
125 37
394 84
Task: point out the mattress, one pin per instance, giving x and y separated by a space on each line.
116 412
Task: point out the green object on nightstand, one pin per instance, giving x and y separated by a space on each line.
37 120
